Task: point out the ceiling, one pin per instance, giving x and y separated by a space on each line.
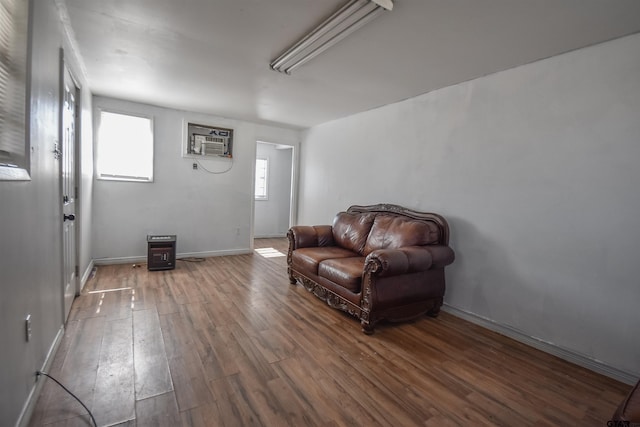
213 56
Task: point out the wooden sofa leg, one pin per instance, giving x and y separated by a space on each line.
292 279
367 328
433 312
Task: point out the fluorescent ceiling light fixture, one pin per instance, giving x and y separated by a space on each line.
353 15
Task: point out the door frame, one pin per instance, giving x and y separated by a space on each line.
293 192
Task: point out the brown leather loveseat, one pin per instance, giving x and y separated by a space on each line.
375 262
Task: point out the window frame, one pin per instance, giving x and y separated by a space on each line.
123 178
16 165
266 179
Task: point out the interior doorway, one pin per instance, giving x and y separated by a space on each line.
273 190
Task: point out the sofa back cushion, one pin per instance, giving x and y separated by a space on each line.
393 232
350 230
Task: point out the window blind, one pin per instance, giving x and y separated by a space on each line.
13 72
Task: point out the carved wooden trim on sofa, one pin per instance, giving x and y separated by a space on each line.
333 300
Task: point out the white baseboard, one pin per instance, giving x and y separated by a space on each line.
36 388
547 347
143 259
120 260
86 275
214 253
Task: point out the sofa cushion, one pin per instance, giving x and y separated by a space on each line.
307 259
350 230
346 272
393 232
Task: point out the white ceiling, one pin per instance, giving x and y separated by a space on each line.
212 56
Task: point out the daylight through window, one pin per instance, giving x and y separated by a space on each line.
261 179
125 147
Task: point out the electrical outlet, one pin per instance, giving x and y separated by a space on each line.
195 166
27 327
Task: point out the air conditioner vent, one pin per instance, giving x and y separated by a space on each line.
208 141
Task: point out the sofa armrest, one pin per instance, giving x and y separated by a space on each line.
393 262
307 236
441 255
410 259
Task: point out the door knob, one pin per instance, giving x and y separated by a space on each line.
69 217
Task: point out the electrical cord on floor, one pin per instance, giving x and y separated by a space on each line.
72 395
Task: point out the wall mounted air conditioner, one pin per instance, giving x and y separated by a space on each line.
207 141
209 146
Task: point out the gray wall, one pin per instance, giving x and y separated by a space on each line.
272 215
30 226
210 213
536 170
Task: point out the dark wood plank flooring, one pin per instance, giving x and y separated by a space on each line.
228 342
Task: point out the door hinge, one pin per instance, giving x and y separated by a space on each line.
57 154
77 271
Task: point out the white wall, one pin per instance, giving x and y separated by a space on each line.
272 215
210 213
31 226
536 170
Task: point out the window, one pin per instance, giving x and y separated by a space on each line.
125 147
262 168
14 147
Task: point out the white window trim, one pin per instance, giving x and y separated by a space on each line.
123 178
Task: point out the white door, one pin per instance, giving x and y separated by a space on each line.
68 172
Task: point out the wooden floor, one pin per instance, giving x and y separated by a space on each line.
229 342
